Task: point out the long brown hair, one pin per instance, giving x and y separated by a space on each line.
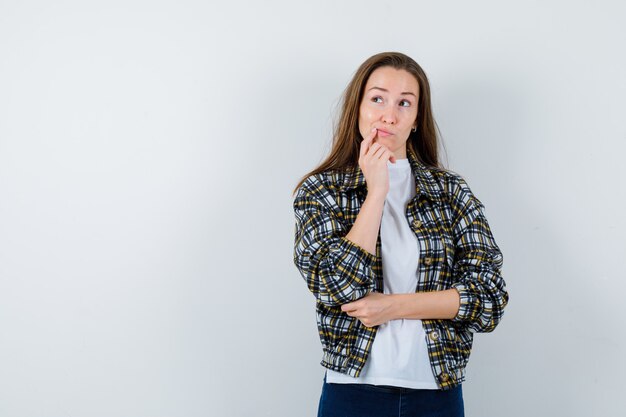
347 138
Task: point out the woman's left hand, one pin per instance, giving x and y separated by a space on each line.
373 309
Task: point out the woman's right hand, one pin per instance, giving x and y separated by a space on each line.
373 162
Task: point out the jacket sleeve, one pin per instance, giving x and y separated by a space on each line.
477 272
335 269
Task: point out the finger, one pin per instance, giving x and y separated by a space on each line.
365 144
347 307
380 152
389 156
373 148
386 154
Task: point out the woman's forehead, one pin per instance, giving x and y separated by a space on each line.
393 80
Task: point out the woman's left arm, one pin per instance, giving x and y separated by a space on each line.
376 308
477 297
478 275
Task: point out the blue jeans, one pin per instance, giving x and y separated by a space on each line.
366 400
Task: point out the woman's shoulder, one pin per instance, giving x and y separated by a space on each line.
454 185
322 190
328 181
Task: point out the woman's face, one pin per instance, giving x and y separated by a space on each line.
390 105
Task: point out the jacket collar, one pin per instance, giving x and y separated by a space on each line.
425 183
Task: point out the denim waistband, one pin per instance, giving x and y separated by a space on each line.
381 388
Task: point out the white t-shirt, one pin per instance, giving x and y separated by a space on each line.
399 354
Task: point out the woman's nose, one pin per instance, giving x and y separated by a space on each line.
389 116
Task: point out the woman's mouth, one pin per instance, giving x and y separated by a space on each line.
383 133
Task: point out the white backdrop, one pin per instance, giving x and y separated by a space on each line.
148 150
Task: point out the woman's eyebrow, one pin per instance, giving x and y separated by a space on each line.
386 91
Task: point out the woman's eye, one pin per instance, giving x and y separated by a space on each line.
403 103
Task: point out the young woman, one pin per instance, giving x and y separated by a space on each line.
398 253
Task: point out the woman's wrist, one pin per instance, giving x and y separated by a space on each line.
426 305
376 197
403 305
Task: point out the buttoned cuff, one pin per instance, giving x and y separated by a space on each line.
468 300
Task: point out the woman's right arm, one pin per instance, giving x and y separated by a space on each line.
373 162
335 262
337 269
364 231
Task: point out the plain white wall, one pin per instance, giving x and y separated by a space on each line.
148 151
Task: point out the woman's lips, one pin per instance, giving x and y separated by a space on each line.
383 133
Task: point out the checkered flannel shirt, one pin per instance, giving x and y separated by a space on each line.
457 250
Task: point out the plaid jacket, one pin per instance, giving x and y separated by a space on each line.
457 250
